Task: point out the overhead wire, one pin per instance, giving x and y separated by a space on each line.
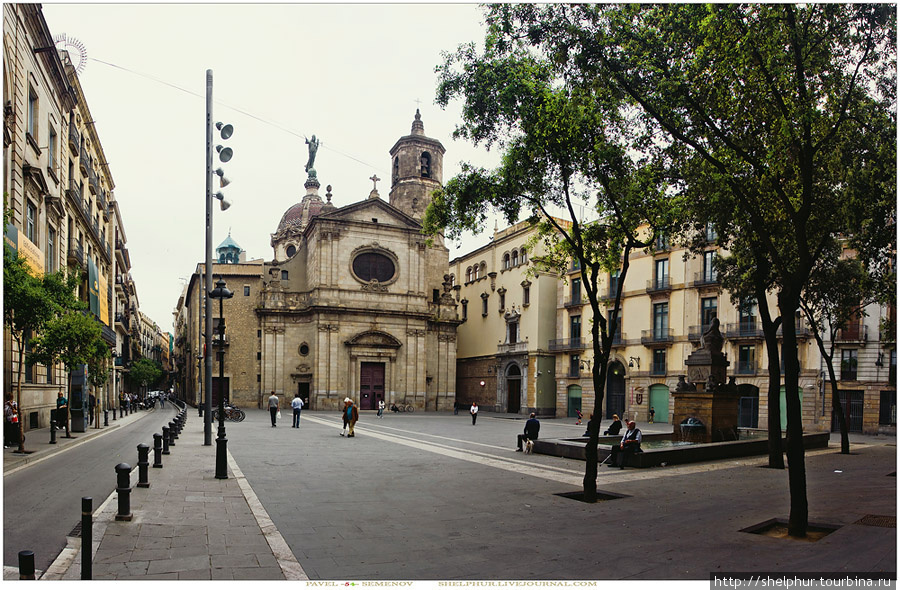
238 110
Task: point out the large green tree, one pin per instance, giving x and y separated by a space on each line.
782 107
30 303
561 146
146 372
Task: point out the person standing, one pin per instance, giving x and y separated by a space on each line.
532 428
10 422
474 411
92 405
297 405
273 407
652 413
381 408
62 412
350 415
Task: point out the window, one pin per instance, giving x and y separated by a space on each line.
51 249
746 360
51 151
291 250
284 275
32 113
515 258
512 332
258 377
506 261
574 365
484 305
848 364
526 295
435 296
661 243
502 299
709 309
575 327
396 175
482 270
465 309
747 312
658 367
259 356
304 349
259 333
887 410
660 321
711 234
709 267
661 277
613 283
30 218
246 290
523 255
615 322
576 290
892 370
469 275
370 266
29 367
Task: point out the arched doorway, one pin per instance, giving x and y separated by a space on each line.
659 401
573 396
615 390
513 389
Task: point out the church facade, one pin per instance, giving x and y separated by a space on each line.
356 301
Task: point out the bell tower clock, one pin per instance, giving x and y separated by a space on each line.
417 165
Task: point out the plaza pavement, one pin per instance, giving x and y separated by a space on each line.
431 497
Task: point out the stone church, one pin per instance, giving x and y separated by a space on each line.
356 302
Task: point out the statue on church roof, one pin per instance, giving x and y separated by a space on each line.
313 148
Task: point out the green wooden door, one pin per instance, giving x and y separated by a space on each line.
659 401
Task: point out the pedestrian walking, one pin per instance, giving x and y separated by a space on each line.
62 412
474 411
652 413
92 404
297 405
381 408
580 416
273 407
352 414
10 422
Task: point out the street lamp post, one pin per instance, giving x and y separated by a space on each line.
221 292
225 155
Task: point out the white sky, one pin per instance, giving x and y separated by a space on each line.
348 73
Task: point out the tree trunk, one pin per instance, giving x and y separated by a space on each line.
770 330
798 521
21 374
837 410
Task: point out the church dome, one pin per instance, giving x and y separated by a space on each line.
299 214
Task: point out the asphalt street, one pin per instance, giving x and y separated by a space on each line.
42 501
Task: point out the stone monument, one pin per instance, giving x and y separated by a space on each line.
705 396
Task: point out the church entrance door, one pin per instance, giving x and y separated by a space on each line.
514 390
371 385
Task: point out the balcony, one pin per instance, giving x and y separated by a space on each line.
108 334
800 328
84 160
75 256
74 139
658 369
515 347
618 340
610 293
657 337
695 332
750 330
703 279
659 285
220 340
573 373
93 182
745 368
854 332
122 320
574 302
567 344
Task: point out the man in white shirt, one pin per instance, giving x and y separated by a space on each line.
630 444
273 407
297 405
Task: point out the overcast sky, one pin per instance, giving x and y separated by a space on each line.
349 73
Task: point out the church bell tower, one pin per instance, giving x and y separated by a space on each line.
417 166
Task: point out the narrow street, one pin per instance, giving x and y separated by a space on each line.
42 501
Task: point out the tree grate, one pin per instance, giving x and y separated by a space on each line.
877 520
76 532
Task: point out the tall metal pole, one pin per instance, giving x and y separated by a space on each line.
221 441
207 413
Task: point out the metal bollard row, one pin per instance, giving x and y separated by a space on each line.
123 489
87 521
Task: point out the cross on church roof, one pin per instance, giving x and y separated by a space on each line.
374 178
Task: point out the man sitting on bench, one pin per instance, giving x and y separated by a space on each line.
631 444
532 427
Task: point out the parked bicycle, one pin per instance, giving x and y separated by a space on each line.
232 414
403 408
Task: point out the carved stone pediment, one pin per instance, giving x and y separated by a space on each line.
375 339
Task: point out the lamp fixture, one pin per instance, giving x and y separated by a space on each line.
223 182
225 130
632 361
225 203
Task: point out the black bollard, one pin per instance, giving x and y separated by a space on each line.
172 434
26 565
165 440
87 519
52 432
143 466
157 451
123 488
114 413
106 417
